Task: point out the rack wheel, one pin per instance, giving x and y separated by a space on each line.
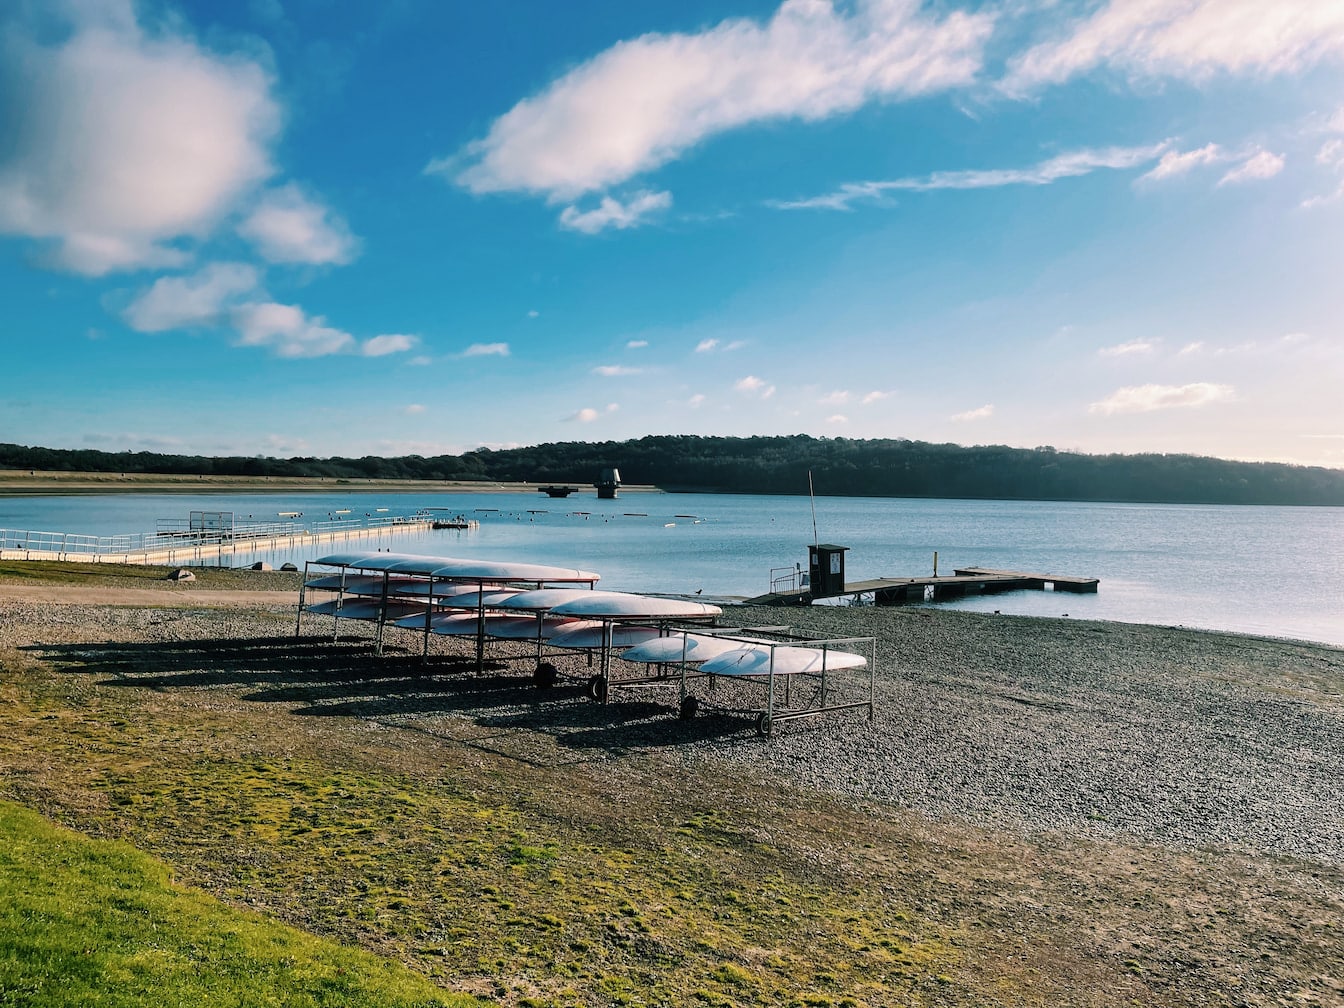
762 723
597 688
545 675
689 706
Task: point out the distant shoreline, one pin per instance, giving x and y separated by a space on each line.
28 483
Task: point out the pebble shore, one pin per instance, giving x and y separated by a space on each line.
1182 738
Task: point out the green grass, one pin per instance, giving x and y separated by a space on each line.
96 923
534 885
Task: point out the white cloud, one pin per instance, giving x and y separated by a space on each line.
613 213
838 418
837 398
287 226
414 409
615 371
706 345
588 414
125 142
1062 166
637 344
390 343
1147 398
1127 349
645 101
751 385
288 331
421 361
696 401
874 396
533 314
983 413
486 350
734 345
1192 348
1261 165
1187 39
1174 163
183 302
1331 155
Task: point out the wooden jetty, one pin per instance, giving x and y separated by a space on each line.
965 581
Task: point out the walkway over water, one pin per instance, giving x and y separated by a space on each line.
205 539
966 581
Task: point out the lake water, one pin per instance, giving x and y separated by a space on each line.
1264 570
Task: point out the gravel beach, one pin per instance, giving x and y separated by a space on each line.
1102 814
1163 735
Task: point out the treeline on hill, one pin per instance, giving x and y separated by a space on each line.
838 467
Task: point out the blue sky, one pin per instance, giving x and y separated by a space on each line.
311 227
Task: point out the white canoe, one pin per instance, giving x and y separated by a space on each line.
367 609
531 627
458 624
599 635
616 605
487 597
679 647
351 584
461 568
787 660
542 599
372 586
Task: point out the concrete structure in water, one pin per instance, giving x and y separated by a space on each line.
608 486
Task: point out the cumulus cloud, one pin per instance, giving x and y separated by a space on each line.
588 414
288 226
288 330
1261 165
390 343
1062 166
645 101
706 345
636 344
124 142
186 302
983 413
836 398
1127 349
751 385
612 213
837 419
615 370
1187 39
1148 398
874 396
486 350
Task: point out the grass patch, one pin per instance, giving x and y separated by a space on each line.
97 923
123 575
486 876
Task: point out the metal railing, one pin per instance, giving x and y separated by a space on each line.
171 534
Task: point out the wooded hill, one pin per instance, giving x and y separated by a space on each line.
839 467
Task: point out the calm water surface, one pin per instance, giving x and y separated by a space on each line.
1263 570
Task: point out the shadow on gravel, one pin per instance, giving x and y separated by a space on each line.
322 677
